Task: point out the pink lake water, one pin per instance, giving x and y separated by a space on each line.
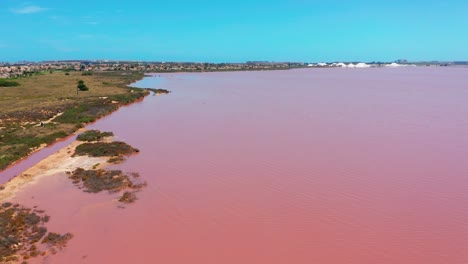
302 166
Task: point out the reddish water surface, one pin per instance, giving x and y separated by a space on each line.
303 166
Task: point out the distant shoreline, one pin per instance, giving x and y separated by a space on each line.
25 69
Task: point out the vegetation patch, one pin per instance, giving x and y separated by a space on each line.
158 91
8 83
81 86
128 197
104 149
57 240
85 112
93 135
129 97
95 181
116 160
20 231
32 141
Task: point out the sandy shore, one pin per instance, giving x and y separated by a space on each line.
59 162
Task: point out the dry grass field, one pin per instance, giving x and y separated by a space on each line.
52 90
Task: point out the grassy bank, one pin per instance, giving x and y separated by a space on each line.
53 99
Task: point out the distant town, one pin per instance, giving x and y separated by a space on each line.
25 68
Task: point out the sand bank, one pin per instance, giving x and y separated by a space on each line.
59 162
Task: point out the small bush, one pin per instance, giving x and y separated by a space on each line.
128 197
93 135
7 83
87 73
81 86
54 239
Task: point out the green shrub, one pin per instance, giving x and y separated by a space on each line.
32 141
85 112
93 135
82 87
7 83
102 149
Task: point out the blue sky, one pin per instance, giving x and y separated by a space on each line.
234 31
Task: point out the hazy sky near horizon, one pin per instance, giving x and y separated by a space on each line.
234 31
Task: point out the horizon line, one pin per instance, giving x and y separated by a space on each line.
244 62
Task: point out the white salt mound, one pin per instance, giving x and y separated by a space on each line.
362 65
393 64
